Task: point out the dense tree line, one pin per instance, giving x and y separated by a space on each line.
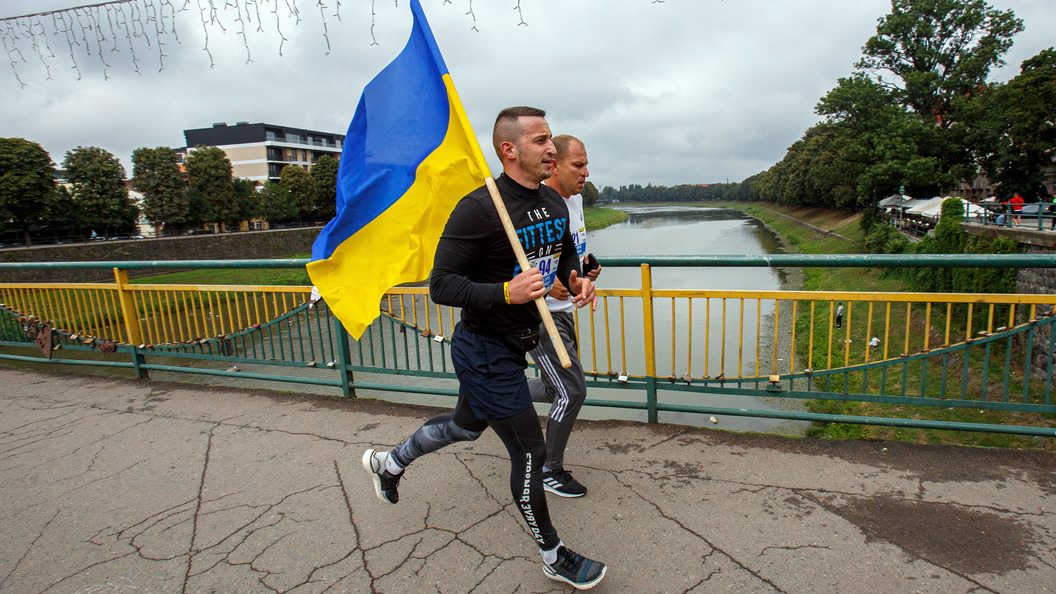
681 193
95 198
918 113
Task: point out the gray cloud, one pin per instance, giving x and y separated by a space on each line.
684 91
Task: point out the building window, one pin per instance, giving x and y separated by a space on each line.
293 138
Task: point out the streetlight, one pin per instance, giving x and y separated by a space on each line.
901 199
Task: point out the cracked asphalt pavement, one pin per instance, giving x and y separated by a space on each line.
117 485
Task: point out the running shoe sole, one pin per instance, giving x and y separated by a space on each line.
550 573
550 489
368 465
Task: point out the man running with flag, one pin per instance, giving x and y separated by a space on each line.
408 157
476 269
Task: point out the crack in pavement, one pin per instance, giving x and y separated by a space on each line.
29 549
201 490
715 548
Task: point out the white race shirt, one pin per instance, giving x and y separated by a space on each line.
578 227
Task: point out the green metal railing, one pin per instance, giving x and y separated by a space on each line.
645 348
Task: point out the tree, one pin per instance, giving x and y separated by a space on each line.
324 172
209 175
276 203
883 144
301 186
97 185
821 169
1010 128
65 212
590 194
938 50
156 174
900 120
27 184
248 199
200 209
950 238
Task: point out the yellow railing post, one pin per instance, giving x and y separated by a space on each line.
128 308
647 321
650 346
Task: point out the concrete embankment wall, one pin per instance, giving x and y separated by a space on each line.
247 245
1035 281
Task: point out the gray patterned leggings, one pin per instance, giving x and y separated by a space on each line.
523 439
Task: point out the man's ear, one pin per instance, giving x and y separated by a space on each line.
509 150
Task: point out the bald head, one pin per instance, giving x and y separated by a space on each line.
570 171
562 142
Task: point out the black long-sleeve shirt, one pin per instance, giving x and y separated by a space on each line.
474 257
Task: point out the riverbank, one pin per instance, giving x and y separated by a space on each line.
599 217
824 231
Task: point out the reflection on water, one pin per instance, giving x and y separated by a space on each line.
689 231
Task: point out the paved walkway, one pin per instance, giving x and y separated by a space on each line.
113 485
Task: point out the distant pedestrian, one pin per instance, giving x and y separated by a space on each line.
1017 209
839 315
874 342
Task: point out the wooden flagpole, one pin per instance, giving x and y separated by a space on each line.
522 259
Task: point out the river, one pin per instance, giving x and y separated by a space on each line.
689 231
686 230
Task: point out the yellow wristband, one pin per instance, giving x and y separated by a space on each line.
506 292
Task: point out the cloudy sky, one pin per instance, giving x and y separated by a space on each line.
679 91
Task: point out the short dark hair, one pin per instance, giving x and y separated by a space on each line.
506 125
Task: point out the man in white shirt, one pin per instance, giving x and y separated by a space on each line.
566 389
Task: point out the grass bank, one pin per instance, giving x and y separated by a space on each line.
599 217
232 276
822 231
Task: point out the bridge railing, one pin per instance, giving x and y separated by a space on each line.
645 347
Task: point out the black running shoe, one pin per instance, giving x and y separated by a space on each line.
385 482
574 569
560 482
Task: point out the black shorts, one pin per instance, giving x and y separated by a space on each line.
490 374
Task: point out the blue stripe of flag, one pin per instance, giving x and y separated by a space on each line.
402 117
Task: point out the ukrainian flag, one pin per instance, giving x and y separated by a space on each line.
409 156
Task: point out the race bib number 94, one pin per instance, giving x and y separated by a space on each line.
547 265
